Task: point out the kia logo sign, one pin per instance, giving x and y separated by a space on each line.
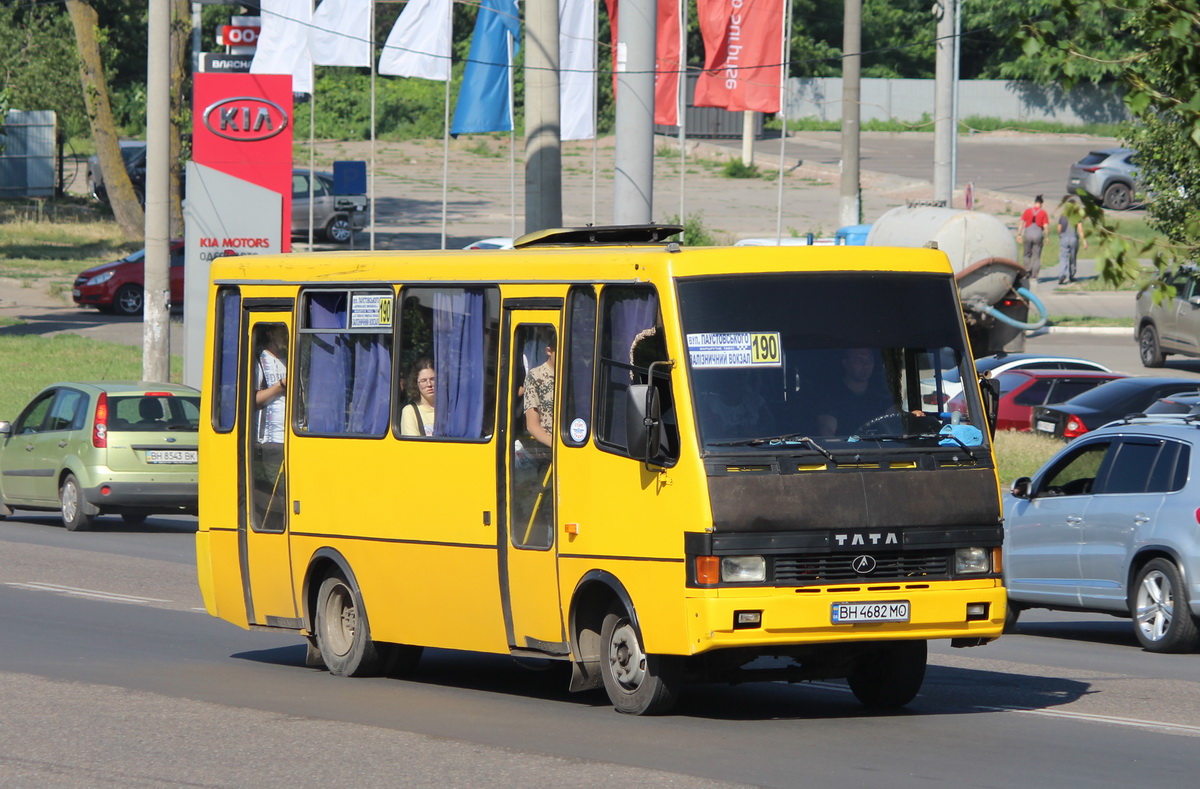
245 119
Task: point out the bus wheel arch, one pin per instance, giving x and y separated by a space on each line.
339 624
597 593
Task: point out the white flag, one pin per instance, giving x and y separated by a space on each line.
283 42
577 58
341 33
419 44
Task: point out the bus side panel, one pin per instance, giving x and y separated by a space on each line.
416 520
631 522
217 559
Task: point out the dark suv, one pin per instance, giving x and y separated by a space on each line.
134 154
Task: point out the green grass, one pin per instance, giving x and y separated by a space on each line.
1022 454
1092 321
39 250
32 362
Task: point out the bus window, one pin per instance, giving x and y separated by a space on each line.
531 491
631 339
268 495
456 329
229 312
345 361
579 366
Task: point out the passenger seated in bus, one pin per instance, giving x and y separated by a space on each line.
417 417
856 396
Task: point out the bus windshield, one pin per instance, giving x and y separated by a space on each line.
827 362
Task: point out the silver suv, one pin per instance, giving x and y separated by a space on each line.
1109 524
1109 175
1172 326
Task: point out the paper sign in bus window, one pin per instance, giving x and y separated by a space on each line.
370 310
714 350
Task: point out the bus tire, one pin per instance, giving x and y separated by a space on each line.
637 683
890 675
344 634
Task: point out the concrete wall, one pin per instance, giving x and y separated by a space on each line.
909 100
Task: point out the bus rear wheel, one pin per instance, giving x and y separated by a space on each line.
637 683
890 675
343 633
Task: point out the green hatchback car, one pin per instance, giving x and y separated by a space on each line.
90 449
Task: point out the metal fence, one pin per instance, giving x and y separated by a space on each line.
912 100
27 155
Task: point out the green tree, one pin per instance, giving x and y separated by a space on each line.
1161 74
38 68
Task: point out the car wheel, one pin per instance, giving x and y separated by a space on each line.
97 191
1118 197
128 300
1148 347
890 675
1162 619
1011 614
74 509
339 230
637 683
343 634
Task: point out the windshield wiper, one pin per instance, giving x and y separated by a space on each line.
787 438
937 436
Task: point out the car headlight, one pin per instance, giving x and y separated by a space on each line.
100 278
743 569
972 561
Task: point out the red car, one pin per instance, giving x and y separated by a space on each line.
1021 390
117 286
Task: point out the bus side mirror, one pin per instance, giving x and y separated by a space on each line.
1020 488
989 389
643 421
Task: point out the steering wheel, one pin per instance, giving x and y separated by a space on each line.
876 424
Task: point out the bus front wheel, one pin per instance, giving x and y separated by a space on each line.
890 675
637 683
343 634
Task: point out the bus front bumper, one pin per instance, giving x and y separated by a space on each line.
770 617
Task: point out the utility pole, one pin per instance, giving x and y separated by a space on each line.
156 346
850 207
943 105
633 198
543 130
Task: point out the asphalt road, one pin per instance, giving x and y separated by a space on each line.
110 676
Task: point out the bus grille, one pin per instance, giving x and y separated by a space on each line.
809 569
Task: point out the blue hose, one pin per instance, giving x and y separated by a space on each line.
1000 316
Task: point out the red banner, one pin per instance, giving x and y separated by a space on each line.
743 50
242 126
666 57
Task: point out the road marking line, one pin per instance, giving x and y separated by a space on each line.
1085 717
1175 728
39 586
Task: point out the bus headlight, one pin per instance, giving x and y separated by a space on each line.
743 569
971 561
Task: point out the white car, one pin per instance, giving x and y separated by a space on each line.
1003 362
491 243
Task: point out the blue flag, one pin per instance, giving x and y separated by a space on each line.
485 99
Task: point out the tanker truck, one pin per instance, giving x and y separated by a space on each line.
992 283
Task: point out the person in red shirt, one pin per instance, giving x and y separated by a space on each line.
1030 233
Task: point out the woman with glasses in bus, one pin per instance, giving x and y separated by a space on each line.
417 418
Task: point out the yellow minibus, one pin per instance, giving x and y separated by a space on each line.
657 464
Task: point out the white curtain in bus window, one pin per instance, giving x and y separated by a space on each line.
345 363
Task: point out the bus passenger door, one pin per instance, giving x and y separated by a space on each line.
263 520
528 553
